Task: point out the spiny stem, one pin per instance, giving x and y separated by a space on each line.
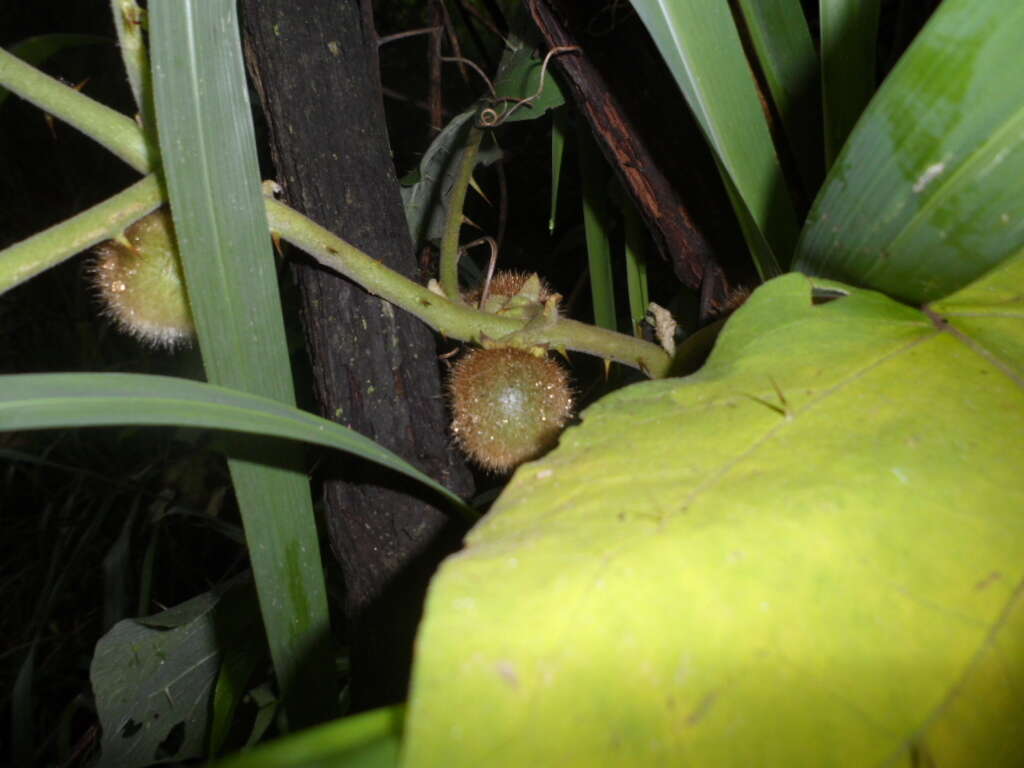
455 320
110 128
23 261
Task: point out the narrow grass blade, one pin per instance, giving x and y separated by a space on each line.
117 570
236 669
21 709
849 30
209 159
636 268
147 570
702 49
559 126
367 740
782 41
597 227
926 194
49 400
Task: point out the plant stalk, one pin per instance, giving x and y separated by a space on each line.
449 270
23 261
454 320
108 127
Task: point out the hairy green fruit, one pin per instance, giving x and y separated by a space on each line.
139 280
509 405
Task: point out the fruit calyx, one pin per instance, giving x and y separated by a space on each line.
512 292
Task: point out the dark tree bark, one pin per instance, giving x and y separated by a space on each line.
375 368
623 90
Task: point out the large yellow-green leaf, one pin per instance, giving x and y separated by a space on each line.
810 552
928 192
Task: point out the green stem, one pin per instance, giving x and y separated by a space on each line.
130 23
24 260
457 321
450 239
102 124
123 137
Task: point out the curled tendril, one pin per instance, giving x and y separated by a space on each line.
489 241
489 117
498 110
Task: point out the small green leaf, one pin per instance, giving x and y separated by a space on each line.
926 194
519 78
426 198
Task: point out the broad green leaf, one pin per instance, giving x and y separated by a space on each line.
153 677
848 32
208 150
48 400
810 552
926 195
367 740
782 41
702 49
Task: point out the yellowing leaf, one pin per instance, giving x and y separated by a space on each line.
810 552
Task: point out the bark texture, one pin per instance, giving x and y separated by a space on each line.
375 368
642 126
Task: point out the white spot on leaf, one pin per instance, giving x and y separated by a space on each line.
929 175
